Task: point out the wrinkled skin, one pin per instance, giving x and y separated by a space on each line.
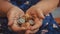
13 15
33 11
37 16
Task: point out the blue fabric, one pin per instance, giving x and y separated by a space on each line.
21 3
49 27
48 19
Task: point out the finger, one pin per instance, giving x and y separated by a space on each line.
37 25
26 25
27 32
10 18
40 14
15 27
31 32
21 13
10 23
30 11
14 15
34 31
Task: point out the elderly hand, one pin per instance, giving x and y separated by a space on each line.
13 14
32 29
38 16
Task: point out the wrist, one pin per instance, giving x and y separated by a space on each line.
44 10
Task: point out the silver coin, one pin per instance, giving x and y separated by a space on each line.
21 20
31 22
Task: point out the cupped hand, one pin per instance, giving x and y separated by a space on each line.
13 14
37 15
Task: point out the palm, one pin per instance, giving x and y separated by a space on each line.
13 15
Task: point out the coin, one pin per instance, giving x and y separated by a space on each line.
31 22
21 20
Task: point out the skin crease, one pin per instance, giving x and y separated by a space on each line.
40 9
10 10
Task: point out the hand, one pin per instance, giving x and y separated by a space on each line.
13 15
37 14
34 10
38 17
31 31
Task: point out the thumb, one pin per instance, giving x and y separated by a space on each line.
37 25
40 14
10 22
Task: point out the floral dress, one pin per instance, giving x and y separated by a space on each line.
49 25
